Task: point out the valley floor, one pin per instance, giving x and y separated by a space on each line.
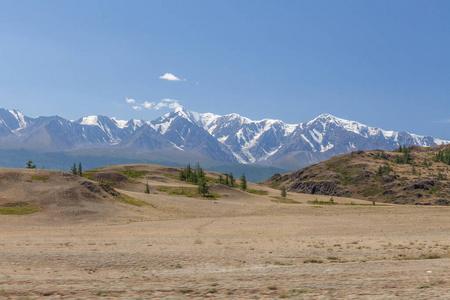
238 246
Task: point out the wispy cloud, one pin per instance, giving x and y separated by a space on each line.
442 121
171 77
164 103
169 103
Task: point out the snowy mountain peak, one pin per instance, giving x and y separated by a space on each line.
120 123
230 138
19 117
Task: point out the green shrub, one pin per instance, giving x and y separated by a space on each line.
19 208
43 178
133 173
257 192
317 202
190 192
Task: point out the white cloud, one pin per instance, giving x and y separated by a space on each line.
169 103
164 103
171 77
148 105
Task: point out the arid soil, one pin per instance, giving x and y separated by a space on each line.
238 246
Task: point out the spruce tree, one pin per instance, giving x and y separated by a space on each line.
243 182
74 169
30 165
80 170
182 175
202 187
188 170
193 178
380 171
147 188
283 192
232 180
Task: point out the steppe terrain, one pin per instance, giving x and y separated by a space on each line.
86 240
412 175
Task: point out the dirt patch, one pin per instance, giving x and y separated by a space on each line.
110 177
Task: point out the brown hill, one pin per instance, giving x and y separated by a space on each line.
114 195
59 197
405 176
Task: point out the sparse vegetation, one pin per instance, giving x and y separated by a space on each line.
284 200
110 184
406 157
19 208
380 155
185 191
133 173
371 191
317 202
90 174
443 156
257 192
384 170
132 201
313 261
43 178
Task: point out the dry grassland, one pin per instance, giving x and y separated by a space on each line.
240 245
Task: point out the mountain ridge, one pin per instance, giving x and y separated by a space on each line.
229 138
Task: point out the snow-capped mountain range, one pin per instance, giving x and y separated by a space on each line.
230 138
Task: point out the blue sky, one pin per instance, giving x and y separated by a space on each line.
382 63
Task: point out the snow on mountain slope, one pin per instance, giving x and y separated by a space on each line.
230 138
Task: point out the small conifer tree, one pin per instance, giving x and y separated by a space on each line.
283 192
30 165
147 188
74 169
80 170
232 180
243 182
203 187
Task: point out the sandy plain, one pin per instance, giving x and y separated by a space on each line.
239 246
